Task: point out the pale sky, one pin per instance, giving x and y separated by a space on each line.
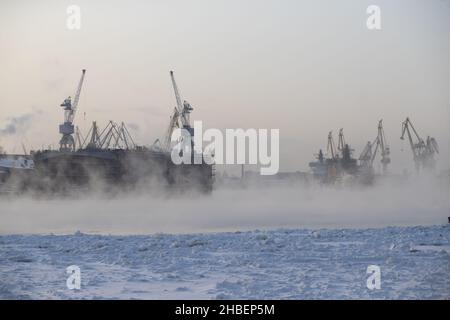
304 67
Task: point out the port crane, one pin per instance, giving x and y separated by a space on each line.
344 148
180 117
331 146
382 145
368 155
341 141
423 151
67 129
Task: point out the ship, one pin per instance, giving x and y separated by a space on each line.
15 170
339 166
109 158
342 166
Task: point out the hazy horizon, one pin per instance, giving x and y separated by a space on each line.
304 67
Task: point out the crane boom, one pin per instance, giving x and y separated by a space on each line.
367 155
184 108
77 97
177 93
173 124
330 146
67 129
377 145
422 152
384 148
341 141
414 147
371 149
180 117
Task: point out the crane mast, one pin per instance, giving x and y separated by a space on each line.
67 129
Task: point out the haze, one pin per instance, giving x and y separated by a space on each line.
305 67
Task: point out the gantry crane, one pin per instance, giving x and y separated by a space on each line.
423 152
67 129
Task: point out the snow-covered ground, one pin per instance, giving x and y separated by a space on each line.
312 243
277 264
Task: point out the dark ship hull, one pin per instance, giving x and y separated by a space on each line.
59 171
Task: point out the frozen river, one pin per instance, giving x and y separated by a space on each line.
280 264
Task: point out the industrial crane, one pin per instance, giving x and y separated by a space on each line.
341 141
67 142
382 145
184 109
331 147
173 124
181 114
368 155
423 152
344 148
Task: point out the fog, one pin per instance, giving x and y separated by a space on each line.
303 67
415 201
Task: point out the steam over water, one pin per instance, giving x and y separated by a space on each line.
408 203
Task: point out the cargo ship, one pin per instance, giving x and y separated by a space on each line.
108 157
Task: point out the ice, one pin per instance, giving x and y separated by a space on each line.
272 264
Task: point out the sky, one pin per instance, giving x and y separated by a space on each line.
304 67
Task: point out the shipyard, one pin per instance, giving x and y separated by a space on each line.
180 161
109 155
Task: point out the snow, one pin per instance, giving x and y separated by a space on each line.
294 242
270 264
